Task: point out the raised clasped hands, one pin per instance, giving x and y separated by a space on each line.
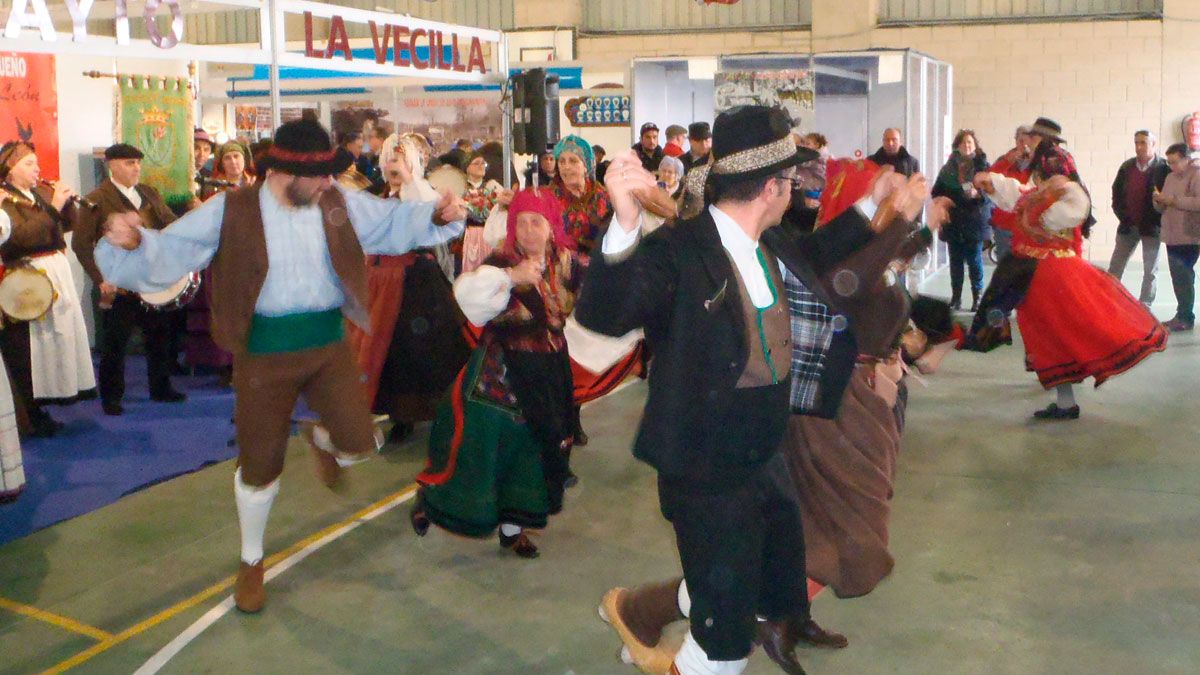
451 208
624 180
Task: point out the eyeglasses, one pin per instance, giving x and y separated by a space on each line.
796 181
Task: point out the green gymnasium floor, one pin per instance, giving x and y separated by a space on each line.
1020 548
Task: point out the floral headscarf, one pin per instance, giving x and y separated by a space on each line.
542 202
576 145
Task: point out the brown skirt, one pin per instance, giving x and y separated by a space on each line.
844 470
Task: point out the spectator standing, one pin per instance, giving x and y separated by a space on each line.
648 152
699 146
1016 164
1179 204
675 136
1132 190
601 163
967 229
894 154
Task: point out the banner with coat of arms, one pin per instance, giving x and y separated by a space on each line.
154 114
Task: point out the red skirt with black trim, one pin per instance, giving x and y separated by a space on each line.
1079 322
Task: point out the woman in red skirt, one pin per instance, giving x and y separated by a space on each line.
1077 321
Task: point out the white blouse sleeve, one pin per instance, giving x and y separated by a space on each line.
483 294
1007 192
5 226
495 230
1069 211
419 190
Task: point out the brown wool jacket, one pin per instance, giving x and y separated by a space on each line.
239 267
108 200
36 228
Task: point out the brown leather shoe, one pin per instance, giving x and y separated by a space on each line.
780 638
520 544
249 594
324 464
812 634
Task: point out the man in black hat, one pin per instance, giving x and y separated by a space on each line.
121 311
709 295
699 146
647 149
287 260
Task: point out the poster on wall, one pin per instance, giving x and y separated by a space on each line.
154 114
360 116
793 90
445 119
598 111
253 122
29 106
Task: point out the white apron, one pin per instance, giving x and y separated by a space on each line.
60 358
12 471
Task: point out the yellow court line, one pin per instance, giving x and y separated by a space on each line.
113 640
55 619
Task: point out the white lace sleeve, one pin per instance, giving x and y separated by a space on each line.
1007 192
483 294
1069 211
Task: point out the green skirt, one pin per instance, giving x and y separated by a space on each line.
485 465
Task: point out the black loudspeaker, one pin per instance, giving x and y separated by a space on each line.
541 98
520 115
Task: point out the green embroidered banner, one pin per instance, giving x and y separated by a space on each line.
154 114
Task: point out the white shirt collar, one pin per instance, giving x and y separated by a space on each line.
130 192
733 237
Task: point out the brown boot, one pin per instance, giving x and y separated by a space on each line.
780 638
639 616
249 594
324 464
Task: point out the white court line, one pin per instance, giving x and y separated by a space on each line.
172 648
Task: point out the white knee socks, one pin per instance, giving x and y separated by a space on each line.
254 507
510 530
323 441
685 600
691 660
1066 396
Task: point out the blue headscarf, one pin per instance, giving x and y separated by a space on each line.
578 146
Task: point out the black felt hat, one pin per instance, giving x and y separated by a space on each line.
303 148
1044 126
122 151
699 131
754 141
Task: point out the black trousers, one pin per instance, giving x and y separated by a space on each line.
14 344
742 549
157 327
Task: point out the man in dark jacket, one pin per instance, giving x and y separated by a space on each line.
121 311
699 146
1136 181
894 154
718 406
648 152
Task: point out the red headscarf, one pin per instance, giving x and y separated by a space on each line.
544 203
846 182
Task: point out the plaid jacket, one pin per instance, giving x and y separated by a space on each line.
812 334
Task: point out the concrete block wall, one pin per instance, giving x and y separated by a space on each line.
1102 80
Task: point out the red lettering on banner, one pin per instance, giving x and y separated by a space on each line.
308 38
381 46
338 39
416 59
438 48
476 57
400 44
456 56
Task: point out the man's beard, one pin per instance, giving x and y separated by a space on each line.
298 197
